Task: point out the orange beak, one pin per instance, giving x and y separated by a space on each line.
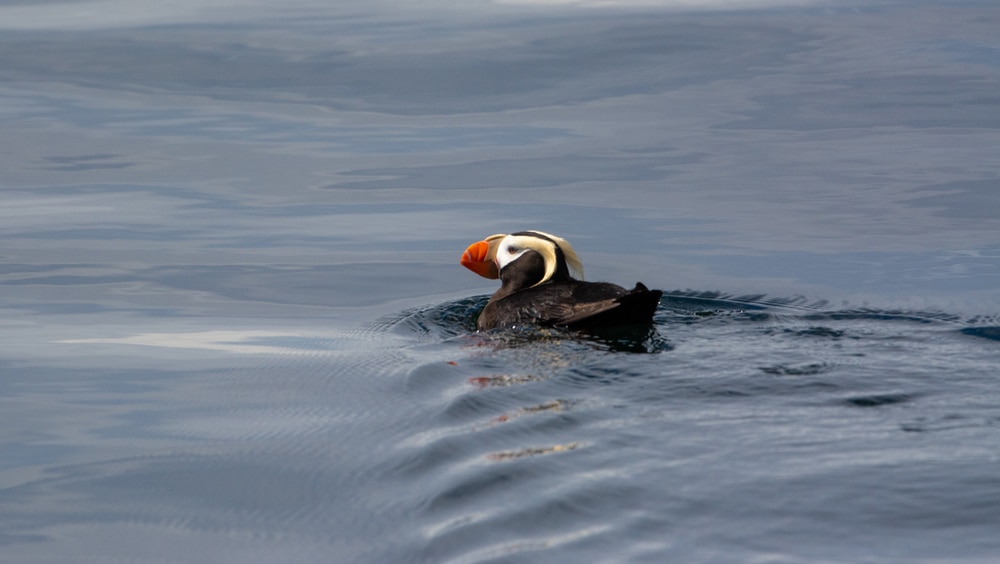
479 259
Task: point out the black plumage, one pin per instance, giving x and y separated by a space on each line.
525 297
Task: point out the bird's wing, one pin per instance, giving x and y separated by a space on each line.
578 312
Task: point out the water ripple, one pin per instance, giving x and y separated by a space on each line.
531 439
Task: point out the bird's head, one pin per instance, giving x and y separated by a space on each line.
489 257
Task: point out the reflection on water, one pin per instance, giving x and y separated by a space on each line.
235 328
750 415
262 342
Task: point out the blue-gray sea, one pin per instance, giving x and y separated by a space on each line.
234 329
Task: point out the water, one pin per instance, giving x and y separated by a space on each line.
234 327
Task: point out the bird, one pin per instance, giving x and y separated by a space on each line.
541 284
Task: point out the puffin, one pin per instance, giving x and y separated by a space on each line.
541 284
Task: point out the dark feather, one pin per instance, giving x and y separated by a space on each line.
572 303
563 300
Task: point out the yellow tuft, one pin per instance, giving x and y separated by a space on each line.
572 261
545 245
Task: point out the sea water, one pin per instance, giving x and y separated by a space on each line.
235 328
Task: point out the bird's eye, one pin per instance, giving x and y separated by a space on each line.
512 249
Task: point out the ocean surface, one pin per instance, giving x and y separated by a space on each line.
233 326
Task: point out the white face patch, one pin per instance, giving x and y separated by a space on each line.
508 250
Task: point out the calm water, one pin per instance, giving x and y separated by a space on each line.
234 327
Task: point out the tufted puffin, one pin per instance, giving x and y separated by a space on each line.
537 286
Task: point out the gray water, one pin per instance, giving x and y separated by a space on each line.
234 327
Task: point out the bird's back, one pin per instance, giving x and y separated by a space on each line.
572 303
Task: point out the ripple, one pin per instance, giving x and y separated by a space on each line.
822 332
529 439
810 369
992 333
879 400
950 422
445 320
